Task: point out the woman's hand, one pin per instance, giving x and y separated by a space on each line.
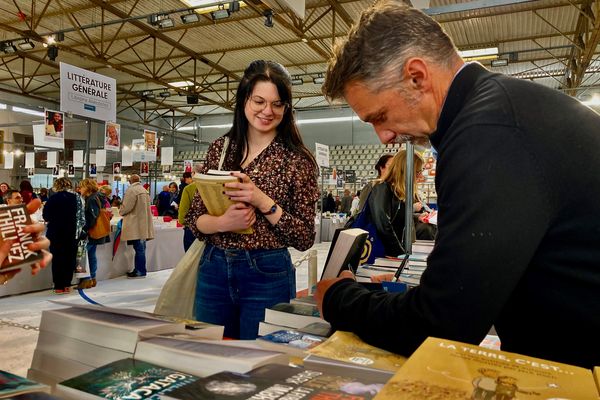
41 243
238 216
417 207
248 193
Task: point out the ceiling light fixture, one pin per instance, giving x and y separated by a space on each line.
8 47
221 13
234 6
161 20
52 53
297 80
479 54
190 18
164 94
268 18
501 62
319 80
26 44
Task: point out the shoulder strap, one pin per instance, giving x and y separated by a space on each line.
223 152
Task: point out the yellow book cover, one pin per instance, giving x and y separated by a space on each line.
444 369
597 377
211 190
347 347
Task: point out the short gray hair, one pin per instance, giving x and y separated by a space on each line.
386 36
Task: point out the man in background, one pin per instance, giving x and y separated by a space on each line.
346 202
184 206
513 248
137 223
13 197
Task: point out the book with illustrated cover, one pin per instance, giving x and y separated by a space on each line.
12 385
123 379
597 377
450 370
210 186
292 315
344 353
289 341
12 221
275 382
203 358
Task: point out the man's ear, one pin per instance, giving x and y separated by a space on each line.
417 73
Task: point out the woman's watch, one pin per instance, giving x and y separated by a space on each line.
271 210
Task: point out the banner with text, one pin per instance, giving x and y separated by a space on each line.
87 93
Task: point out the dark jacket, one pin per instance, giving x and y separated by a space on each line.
164 202
386 212
60 212
513 248
329 203
93 204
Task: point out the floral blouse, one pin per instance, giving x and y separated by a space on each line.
287 177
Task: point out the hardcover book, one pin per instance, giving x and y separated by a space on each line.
291 342
123 379
447 369
210 186
597 377
344 353
12 385
292 315
345 252
12 221
206 357
274 382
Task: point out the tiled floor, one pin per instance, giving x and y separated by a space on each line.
20 315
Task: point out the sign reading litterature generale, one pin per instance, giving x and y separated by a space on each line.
87 93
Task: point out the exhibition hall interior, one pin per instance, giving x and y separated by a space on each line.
131 94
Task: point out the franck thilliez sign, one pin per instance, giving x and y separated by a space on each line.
87 93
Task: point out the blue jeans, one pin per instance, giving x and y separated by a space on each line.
140 255
188 238
92 260
235 286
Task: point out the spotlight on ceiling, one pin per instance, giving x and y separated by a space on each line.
8 47
221 13
297 80
147 94
52 53
26 44
501 62
190 18
166 93
192 99
319 80
161 20
268 18
234 6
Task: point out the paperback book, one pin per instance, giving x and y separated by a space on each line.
123 379
292 315
291 342
447 369
12 385
12 221
275 382
210 186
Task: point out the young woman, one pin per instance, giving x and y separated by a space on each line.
242 274
94 203
387 203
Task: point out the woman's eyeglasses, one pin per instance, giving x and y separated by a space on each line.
258 104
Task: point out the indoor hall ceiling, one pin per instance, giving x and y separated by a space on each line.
553 42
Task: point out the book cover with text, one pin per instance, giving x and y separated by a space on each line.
12 221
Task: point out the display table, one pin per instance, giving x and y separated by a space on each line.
163 252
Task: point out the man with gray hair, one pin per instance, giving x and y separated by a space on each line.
515 161
137 223
187 196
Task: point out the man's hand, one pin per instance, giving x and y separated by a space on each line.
325 284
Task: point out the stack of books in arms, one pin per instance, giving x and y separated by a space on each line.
77 339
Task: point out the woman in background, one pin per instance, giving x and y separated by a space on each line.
4 187
94 203
65 217
381 167
27 192
44 195
242 274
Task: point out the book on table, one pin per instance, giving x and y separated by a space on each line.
292 315
123 379
597 378
344 353
205 357
289 341
274 382
115 331
210 186
446 369
322 328
345 251
12 385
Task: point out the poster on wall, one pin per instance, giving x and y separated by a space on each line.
150 145
29 160
138 149
9 160
187 165
100 158
51 159
87 93
55 128
78 158
93 171
56 171
71 171
112 136
144 168
116 170
166 156
166 169
30 172
127 157
40 139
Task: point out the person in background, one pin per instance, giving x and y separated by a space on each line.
163 200
65 217
40 243
515 159
338 204
3 189
13 197
106 190
184 206
242 274
329 203
354 209
186 179
94 203
44 195
174 197
137 224
27 191
346 202
381 167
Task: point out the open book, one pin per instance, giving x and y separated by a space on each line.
210 186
